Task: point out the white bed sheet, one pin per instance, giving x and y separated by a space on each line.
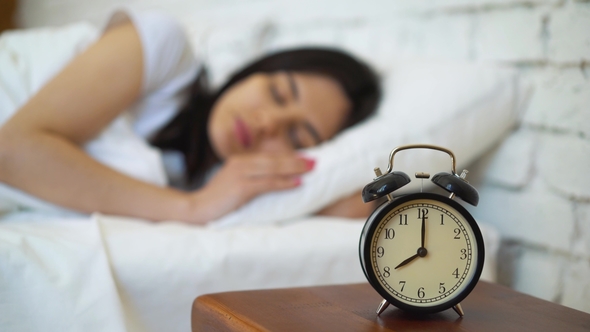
105 273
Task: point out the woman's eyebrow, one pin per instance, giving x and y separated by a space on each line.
293 86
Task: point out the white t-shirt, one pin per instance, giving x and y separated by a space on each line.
169 68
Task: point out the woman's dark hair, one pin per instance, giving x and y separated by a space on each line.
187 132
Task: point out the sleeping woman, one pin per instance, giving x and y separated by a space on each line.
248 131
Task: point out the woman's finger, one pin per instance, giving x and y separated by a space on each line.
260 185
244 177
273 165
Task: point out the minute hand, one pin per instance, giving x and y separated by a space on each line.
423 231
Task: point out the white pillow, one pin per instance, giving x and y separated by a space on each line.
465 107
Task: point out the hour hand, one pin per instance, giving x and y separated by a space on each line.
407 261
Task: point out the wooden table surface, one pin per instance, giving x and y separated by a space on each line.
490 307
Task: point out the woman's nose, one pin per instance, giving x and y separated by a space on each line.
273 130
272 124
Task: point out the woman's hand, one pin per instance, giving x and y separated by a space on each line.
243 177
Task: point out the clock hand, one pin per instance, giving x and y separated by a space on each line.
422 252
423 231
407 261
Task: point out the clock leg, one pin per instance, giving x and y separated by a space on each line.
459 310
382 306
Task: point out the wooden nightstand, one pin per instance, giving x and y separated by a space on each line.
489 307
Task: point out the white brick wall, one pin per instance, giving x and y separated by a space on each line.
539 273
535 187
575 289
510 35
562 159
570 41
581 244
534 215
561 100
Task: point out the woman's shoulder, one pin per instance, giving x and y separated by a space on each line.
148 22
166 48
169 67
161 34
167 52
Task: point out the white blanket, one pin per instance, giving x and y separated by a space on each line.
114 274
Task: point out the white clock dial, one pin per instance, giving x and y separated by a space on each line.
424 253
448 252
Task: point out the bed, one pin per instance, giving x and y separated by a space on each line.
65 271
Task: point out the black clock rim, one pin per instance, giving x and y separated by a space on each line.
365 252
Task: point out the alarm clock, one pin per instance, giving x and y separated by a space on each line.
422 252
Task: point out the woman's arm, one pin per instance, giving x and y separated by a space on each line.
40 149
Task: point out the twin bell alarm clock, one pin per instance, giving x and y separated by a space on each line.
422 252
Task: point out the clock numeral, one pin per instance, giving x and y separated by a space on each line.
457 233
442 221
463 254
456 273
380 252
403 283
386 272
422 213
421 292
403 219
389 233
441 288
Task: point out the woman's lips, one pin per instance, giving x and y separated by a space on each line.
242 133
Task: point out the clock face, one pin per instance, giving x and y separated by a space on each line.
422 252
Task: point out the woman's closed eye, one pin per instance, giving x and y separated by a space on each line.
276 94
284 91
283 88
303 135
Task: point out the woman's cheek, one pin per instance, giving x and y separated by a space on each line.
218 132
